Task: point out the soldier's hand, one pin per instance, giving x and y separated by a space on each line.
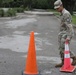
63 25
67 39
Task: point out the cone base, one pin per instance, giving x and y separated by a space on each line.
69 69
24 73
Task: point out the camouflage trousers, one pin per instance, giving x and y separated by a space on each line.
61 41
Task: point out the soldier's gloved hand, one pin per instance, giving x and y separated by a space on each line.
67 39
63 25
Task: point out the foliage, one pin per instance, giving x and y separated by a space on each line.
19 10
69 5
1 12
6 3
10 12
42 4
27 3
27 8
38 4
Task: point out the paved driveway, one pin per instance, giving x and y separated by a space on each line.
14 41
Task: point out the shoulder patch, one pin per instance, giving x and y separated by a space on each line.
68 20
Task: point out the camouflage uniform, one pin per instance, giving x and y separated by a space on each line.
66 31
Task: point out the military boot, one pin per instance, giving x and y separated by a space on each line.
60 64
74 60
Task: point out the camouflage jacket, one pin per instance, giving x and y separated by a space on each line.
66 23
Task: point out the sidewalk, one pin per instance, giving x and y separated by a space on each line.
38 13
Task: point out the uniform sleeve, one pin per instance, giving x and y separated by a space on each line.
70 31
67 18
67 22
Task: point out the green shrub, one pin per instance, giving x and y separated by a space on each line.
10 12
1 12
19 10
27 8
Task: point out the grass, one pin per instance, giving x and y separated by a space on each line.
74 19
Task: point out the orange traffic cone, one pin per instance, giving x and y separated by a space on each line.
67 67
31 64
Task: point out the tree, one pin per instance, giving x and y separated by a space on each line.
69 5
1 2
6 3
27 3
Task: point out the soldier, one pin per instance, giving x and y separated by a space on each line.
66 31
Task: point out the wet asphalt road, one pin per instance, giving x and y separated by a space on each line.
14 41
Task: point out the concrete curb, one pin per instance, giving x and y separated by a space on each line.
38 13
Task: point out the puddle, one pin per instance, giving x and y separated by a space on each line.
21 22
19 43
16 43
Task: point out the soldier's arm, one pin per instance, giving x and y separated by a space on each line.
67 18
67 22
